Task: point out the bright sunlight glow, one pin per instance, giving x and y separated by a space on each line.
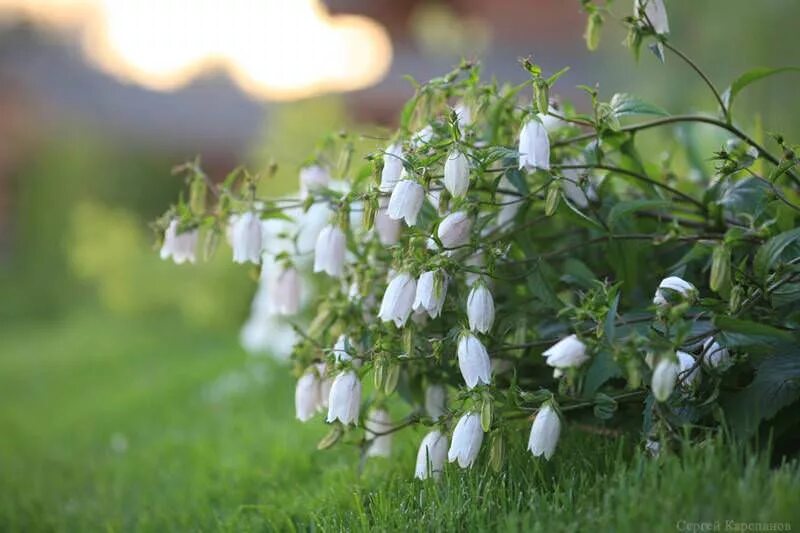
273 49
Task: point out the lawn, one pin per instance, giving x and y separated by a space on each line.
121 424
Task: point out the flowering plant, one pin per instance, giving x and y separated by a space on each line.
509 264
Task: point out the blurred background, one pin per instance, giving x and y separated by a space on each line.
108 353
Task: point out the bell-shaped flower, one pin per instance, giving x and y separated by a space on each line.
480 308
655 12
566 353
664 378
377 422
454 230
456 173
387 228
325 384
313 178
473 360
246 238
179 246
344 401
340 353
689 370
306 396
392 167
714 355
398 299
431 292
467 439
673 284
463 115
534 146
423 137
431 455
545 431
435 400
284 291
329 251
406 201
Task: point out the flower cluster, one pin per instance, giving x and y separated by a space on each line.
504 261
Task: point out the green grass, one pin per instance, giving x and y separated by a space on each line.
143 424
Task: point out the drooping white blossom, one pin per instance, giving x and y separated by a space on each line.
431 456
566 353
689 372
656 13
387 228
284 291
534 146
340 353
325 384
714 355
473 361
672 283
456 173
179 246
435 400
454 230
545 431
313 178
406 201
246 238
480 308
431 292
392 167
664 378
398 299
376 422
344 401
329 251
463 115
423 137
467 439
306 396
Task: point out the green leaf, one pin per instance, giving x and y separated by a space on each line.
751 76
540 286
776 385
602 368
738 332
552 79
770 252
624 104
621 209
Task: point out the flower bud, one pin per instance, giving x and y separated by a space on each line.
246 238
344 401
720 268
376 422
689 372
398 299
392 167
456 173
329 251
467 439
406 201
655 12
431 292
534 146
431 455
673 284
566 353
454 230
473 361
541 94
545 431
664 378
480 308
552 198
179 246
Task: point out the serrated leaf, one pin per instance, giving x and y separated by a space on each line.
739 332
770 252
751 76
602 368
624 104
775 386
